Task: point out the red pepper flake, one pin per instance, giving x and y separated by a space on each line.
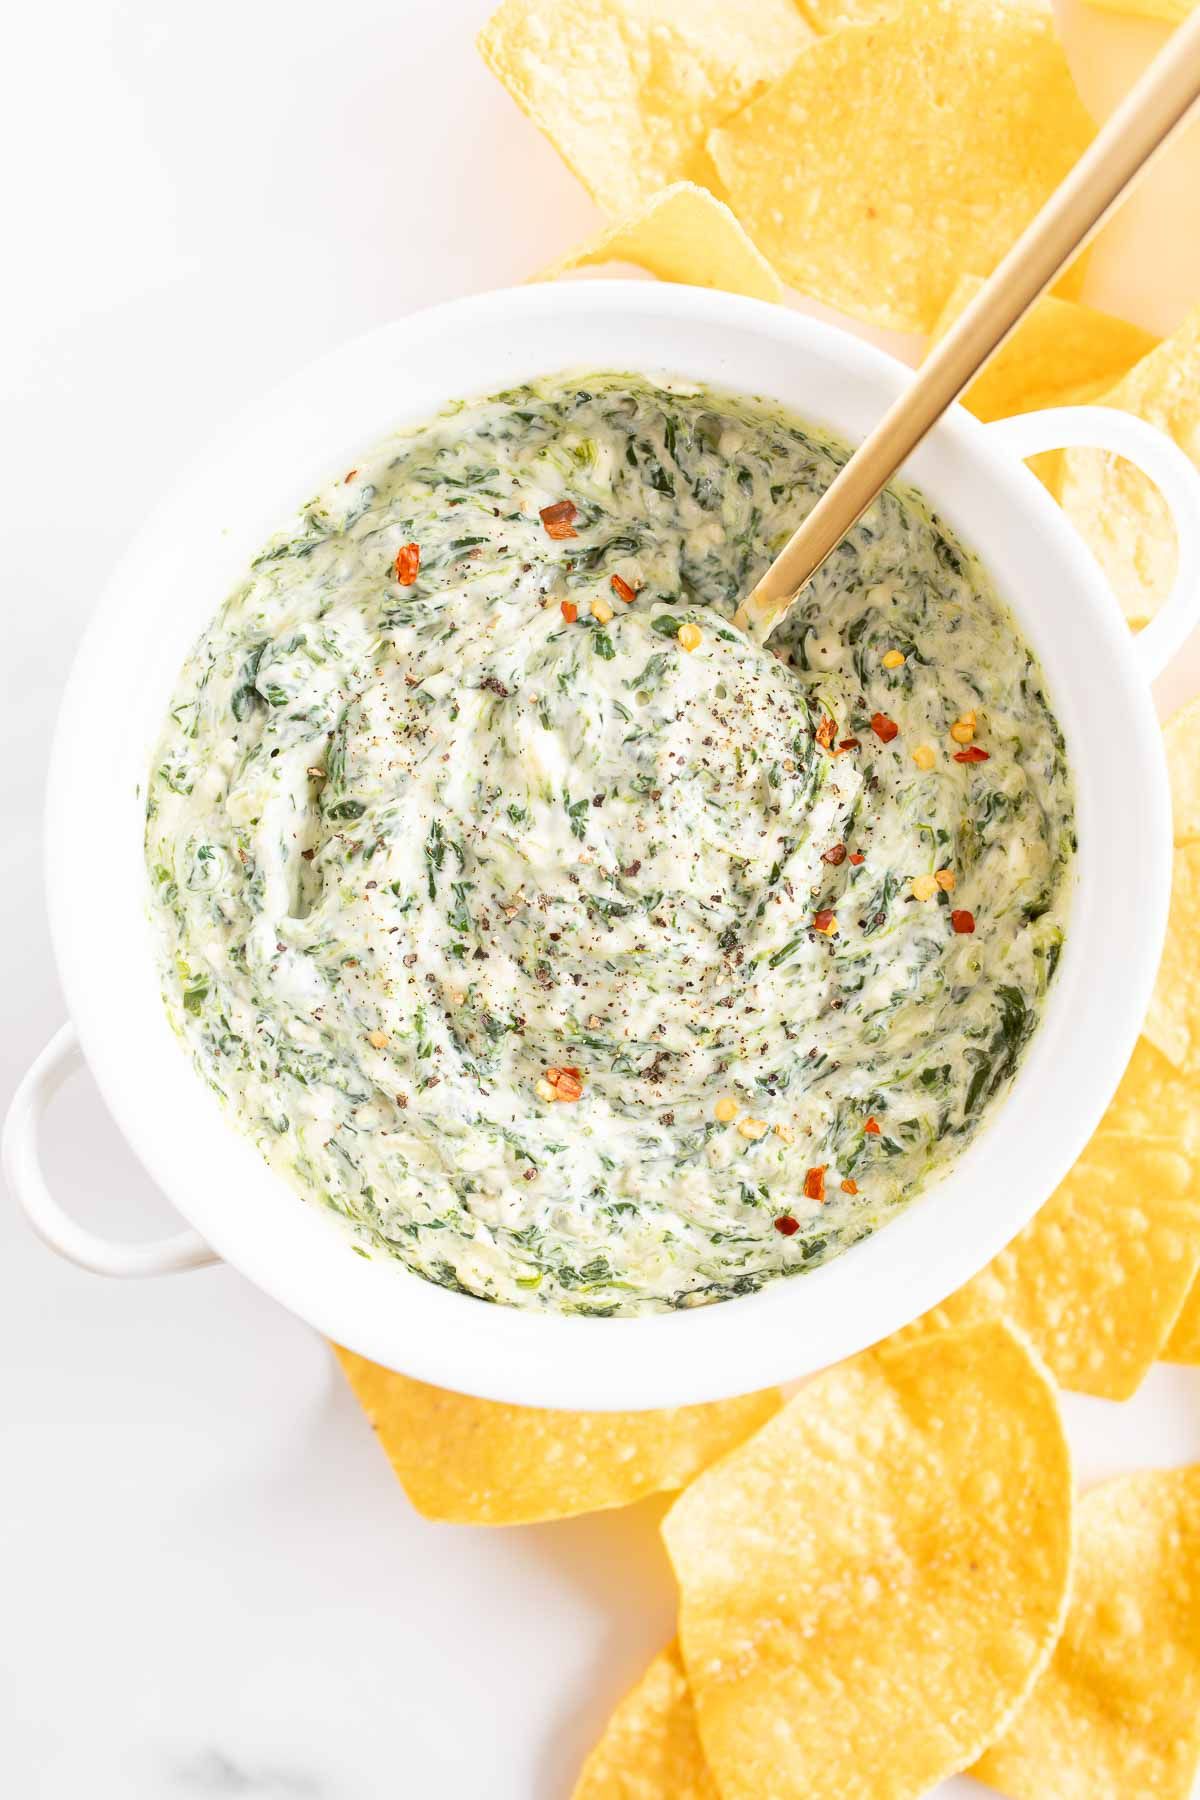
825 921
972 753
814 1183
825 731
849 1187
566 1082
622 590
570 611
963 922
835 854
787 1226
872 1125
559 519
407 564
848 744
885 729
856 857
350 477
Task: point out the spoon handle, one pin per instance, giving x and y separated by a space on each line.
1138 128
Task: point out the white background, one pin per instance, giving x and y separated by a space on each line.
210 1584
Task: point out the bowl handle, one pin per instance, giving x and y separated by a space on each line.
1163 463
22 1166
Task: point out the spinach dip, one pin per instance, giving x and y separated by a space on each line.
579 952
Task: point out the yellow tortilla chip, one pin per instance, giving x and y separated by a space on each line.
871 1584
1173 11
475 1462
1111 504
1182 739
1183 1345
682 234
1098 1279
650 1749
892 157
834 15
1116 1716
1061 354
628 90
1155 1101
1173 1021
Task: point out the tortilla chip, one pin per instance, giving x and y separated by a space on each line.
892 157
1173 11
475 1462
650 1749
1111 504
1183 760
1116 1716
1183 1345
1098 1279
834 15
1061 354
628 90
1182 740
1155 1101
682 234
871 1584
1173 1021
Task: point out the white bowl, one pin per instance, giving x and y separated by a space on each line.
191 552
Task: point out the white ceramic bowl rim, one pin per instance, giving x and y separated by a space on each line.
191 552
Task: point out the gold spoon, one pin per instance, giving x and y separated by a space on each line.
1141 125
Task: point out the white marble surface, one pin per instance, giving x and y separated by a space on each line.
210 1584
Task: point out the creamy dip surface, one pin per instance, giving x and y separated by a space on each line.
579 952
